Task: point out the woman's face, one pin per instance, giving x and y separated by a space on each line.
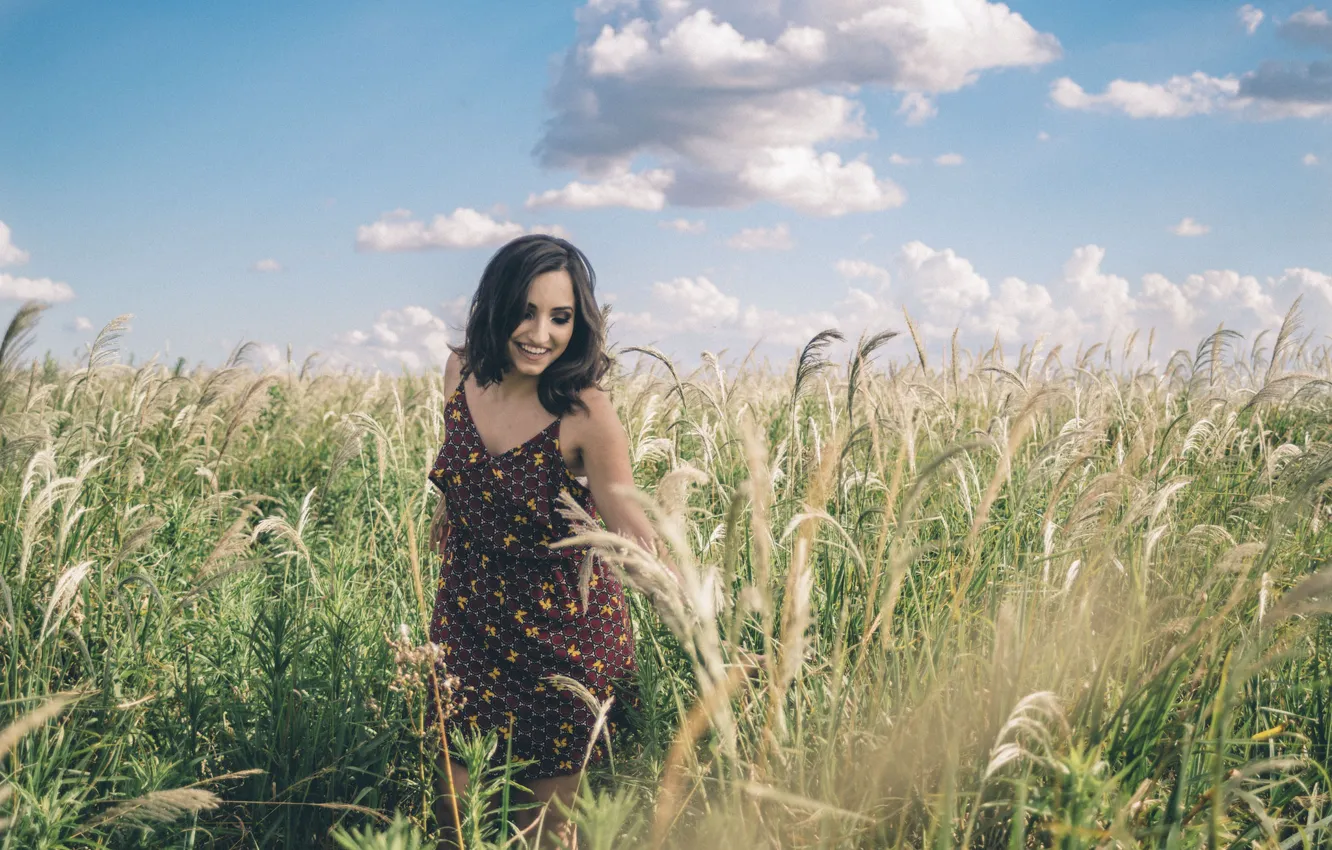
547 326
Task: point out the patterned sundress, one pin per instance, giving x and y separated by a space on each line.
507 609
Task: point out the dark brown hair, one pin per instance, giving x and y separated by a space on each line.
498 308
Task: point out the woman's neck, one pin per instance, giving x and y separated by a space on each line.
515 387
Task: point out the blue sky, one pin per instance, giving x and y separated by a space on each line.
159 156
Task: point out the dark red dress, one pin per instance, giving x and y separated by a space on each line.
507 610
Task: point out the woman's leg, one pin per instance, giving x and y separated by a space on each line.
547 817
445 804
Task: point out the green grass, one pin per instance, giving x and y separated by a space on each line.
1071 601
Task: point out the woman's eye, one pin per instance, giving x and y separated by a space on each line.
562 320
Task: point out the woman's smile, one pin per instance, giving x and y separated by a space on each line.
533 352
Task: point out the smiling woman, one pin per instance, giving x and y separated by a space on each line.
508 610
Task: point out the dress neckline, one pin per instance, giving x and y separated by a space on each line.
471 421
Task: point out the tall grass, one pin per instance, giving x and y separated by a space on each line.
1073 601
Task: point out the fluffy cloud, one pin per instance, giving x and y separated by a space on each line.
684 225
945 283
266 265
1309 159
943 292
463 228
862 270
739 100
41 289
414 336
949 159
776 238
1316 282
10 254
1273 91
1308 26
1178 97
1250 17
79 324
898 159
1189 227
696 302
917 108
645 191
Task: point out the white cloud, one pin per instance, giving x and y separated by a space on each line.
918 108
696 302
1179 97
684 225
1189 227
942 290
266 265
1224 286
1250 17
1275 90
818 184
949 159
788 329
79 324
898 159
1103 300
1309 159
1317 282
641 191
1042 136
463 228
42 289
1308 26
10 254
414 336
862 270
946 284
740 102
776 238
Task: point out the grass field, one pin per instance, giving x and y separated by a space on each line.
930 598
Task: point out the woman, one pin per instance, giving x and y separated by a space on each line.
526 419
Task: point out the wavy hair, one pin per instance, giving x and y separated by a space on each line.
498 308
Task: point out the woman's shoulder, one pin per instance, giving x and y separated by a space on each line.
595 421
596 406
453 367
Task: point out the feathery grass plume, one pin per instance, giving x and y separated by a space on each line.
600 712
251 403
35 719
864 350
281 528
105 348
1290 325
348 438
915 338
655 354
19 334
811 362
240 354
161 806
62 597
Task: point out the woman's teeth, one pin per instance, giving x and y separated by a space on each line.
532 352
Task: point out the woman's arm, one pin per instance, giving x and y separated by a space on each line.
439 521
605 453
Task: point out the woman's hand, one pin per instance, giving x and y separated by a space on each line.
439 527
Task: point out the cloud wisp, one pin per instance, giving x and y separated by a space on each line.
1275 90
461 229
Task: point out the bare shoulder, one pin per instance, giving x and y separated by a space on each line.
597 421
452 372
